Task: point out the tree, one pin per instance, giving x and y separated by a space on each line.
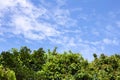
63 66
24 64
6 74
38 59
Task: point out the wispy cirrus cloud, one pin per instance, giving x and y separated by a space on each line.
27 19
78 28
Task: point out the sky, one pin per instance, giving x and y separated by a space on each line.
82 26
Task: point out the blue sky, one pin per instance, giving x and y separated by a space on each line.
83 26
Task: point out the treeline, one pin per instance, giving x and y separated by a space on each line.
25 64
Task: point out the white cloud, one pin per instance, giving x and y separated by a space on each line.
32 29
62 17
27 19
61 2
118 23
52 22
110 42
107 41
24 20
95 43
6 4
1 33
95 32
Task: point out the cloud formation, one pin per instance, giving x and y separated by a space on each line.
52 22
23 17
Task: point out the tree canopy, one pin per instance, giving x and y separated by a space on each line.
25 64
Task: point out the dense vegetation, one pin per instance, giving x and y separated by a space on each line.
40 65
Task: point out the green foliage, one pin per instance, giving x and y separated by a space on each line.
24 64
38 59
61 66
6 74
